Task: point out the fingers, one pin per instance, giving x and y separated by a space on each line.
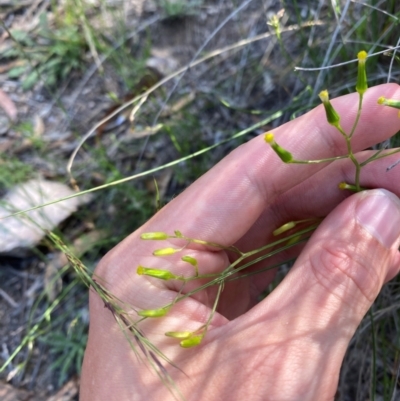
350 254
319 194
318 306
225 202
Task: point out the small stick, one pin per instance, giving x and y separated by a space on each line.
393 165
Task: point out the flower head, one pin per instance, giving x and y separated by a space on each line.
154 236
362 84
283 154
331 115
153 312
157 273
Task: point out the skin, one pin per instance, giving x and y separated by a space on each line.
291 345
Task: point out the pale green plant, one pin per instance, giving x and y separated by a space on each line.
298 230
287 236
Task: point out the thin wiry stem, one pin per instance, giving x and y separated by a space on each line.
321 74
151 171
345 62
376 9
392 61
209 56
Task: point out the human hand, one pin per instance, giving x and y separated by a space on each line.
291 345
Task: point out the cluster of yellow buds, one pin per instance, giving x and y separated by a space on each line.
187 339
332 115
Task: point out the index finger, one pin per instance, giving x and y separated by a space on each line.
224 203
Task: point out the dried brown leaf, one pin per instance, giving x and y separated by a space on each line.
26 231
8 106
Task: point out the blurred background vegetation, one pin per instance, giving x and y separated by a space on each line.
223 71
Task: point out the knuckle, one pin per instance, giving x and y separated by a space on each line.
345 270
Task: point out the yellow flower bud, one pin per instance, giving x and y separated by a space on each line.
165 251
362 84
284 228
350 187
157 273
182 335
189 259
153 312
331 115
193 262
389 102
294 240
324 96
283 154
381 100
191 341
154 236
362 56
269 137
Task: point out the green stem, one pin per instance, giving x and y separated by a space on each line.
357 117
329 159
236 266
213 244
212 313
340 129
355 162
153 170
373 158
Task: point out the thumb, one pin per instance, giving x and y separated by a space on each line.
351 255
332 285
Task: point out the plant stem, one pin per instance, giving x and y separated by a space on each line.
329 159
375 156
357 117
355 162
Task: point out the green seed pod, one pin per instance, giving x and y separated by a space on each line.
362 84
191 341
283 154
153 312
154 236
157 273
331 115
165 251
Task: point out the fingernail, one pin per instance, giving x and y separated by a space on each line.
379 213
